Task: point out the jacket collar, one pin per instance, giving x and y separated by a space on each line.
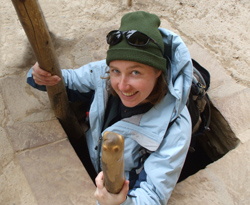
147 129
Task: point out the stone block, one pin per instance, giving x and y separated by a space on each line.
217 73
235 109
56 175
233 172
201 188
225 181
2 111
30 135
24 103
14 188
244 136
7 152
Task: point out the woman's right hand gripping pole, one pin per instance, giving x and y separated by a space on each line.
42 77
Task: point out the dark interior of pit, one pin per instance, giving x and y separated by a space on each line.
208 148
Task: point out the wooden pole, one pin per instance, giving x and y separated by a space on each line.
33 22
113 161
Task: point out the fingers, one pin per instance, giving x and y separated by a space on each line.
123 193
40 71
42 77
99 180
106 198
125 187
100 192
45 81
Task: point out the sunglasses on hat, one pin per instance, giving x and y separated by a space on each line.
133 37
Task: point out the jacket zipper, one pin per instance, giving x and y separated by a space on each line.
98 148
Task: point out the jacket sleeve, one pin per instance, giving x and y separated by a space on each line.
32 83
80 83
163 167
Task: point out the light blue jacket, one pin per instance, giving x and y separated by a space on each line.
155 180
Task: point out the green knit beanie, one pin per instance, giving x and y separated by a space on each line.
150 54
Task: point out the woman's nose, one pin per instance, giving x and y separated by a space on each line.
123 84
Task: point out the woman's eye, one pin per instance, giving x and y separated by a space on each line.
115 71
135 72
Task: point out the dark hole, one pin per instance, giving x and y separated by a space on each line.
81 149
80 145
211 146
195 161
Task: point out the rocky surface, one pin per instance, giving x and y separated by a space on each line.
38 164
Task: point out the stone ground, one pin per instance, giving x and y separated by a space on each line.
38 164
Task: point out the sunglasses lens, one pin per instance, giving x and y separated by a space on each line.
133 37
137 38
113 37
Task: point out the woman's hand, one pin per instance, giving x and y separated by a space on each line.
42 77
106 198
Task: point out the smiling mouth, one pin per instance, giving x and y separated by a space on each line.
129 94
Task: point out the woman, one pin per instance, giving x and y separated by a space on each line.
136 94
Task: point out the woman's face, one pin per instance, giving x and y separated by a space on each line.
132 81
